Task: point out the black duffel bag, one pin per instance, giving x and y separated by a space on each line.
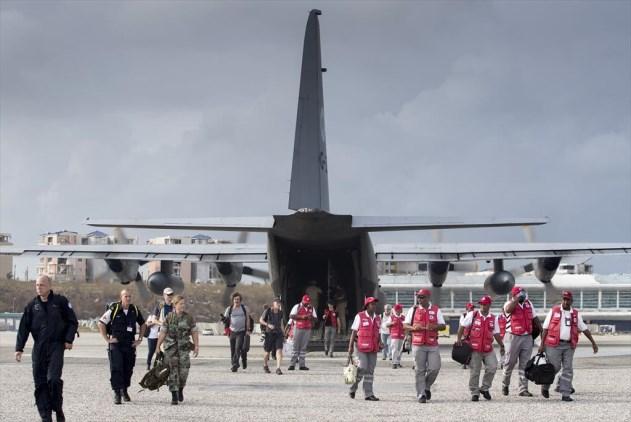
540 373
462 353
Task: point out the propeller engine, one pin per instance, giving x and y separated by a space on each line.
501 281
160 280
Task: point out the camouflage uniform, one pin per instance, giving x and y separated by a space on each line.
177 348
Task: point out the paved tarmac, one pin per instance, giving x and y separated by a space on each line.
603 384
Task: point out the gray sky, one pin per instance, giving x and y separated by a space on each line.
163 109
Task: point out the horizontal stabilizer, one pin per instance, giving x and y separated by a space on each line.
382 224
246 224
453 252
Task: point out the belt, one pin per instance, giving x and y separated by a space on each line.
564 341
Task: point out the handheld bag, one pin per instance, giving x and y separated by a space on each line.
158 375
350 372
462 354
540 373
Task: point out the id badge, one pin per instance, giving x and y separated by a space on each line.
130 329
568 322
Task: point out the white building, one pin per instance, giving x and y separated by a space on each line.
6 261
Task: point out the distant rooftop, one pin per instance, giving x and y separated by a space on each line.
59 232
97 233
201 237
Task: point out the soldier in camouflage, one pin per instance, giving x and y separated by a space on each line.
176 334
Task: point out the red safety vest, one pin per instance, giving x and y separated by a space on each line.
521 319
481 332
554 328
501 319
330 318
396 329
424 316
368 333
304 324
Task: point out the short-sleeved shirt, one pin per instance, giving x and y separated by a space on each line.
106 318
439 316
274 318
294 311
385 320
237 318
467 320
566 321
357 320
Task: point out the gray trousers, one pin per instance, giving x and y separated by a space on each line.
475 367
329 339
427 362
385 339
365 371
518 348
396 345
561 356
301 341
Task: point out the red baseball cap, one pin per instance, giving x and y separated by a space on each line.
398 307
516 290
485 300
567 294
424 292
370 299
470 306
306 299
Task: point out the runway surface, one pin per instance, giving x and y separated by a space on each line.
213 393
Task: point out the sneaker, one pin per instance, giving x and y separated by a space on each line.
125 395
505 390
567 398
422 399
525 394
266 369
291 368
371 398
278 371
545 393
303 368
475 397
428 394
351 394
486 395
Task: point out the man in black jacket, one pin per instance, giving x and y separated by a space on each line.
49 318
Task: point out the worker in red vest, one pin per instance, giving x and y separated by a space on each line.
483 327
365 330
332 326
397 334
559 339
425 321
303 315
520 320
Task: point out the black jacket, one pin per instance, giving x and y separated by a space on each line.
53 322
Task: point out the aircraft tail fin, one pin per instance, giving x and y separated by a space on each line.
309 174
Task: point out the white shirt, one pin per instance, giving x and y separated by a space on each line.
566 321
439 316
468 320
294 311
154 330
385 320
355 326
107 316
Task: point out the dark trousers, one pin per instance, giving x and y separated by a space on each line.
122 361
151 343
48 362
236 346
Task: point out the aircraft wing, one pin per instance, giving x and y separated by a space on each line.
245 224
223 252
378 224
452 252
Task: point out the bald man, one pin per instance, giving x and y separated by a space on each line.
118 328
49 318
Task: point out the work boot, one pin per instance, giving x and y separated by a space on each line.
234 368
117 397
351 394
304 368
394 366
525 394
125 395
266 369
331 354
47 417
245 364
291 368
174 398
180 395
567 398
422 399
428 394
60 416
505 390
486 395
371 398
475 397
545 393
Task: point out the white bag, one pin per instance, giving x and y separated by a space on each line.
350 374
288 347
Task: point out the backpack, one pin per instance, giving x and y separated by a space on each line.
226 321
158 375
